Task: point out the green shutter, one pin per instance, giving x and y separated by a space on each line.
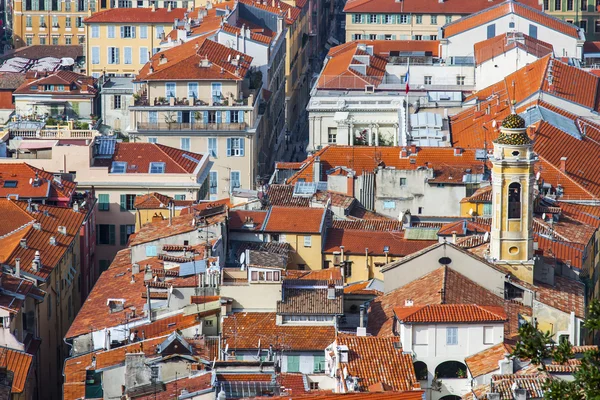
103 202
123 202
378 18
319 363
180 197
111 234
408 17
293 363
123 234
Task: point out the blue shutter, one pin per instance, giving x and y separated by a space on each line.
133 32
242 146
379 18
219 117
491 31
240 116
205 117
122 32
228 116
117 61
179 117
123 202
408 18
228 147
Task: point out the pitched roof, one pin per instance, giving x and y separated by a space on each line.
11 80
436 313
486 361
277 7
506 8
283 195
299 298
361 288
257 34
447 7
358 241
503 384
73 82
247 219
376 360
142 15
289 220
242 331
501 44
24 177
481 195
325 395
385 225
185 62
174 388
157 200
19 363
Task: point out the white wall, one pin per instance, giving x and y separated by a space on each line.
496 69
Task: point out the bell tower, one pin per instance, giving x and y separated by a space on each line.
513 180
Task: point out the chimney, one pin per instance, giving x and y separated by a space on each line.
62 230
361 323
563 164
76 207
52 240
18 267
403 153
413 149
135 268
170 212
317 169
36 264
153 7
350 185
331 291
408 303
37 226
147 273
454 237
23 243
505 365
458 151
132 278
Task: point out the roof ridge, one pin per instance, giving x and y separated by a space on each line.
160 147
565 175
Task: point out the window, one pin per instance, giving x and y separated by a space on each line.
569 5
118 167
42 39
103 202
293 363
128 201
192 90
332 135
420 210
418 37
105 234
55 40
514 200
451 336
157 167
307 241
389 205
433 37
159 32
68 23
143 55
95 31
79 22
448 19
427 80
557 5
213 182
111 31
533 31
128 32
113 55
10 184
487 209
235 180
212 147
434 20
170 89
144 32
68 41
583 5
117 101
216 89
234 117
235 147
460 80
81 39
124 232
402 181
491 31
42 22
597 26
488 335
150 251
28 23
127 55
67 5
582 25
29 40
319 360
389 19
357 18
372 18
184 143
152 140
403 19
419 19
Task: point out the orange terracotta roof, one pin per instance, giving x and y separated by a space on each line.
184 62
166 326
292 383
447 7
328 274
289 220
376 360
486 361
506 8
385 225
240 219
498 45
283 195
357 242
19 363
45 188
588 214
140 16
73 82
533 384
174 389
260 35
157 200
481 195
435 313
242 331
258 377
361 288
325 395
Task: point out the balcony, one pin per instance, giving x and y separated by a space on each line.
53 133
191 126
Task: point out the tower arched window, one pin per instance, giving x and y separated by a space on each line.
514 200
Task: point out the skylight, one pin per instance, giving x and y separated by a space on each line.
10 184
157 168
118 167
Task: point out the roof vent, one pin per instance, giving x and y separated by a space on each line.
37 226
53 240
162 59
205 62
408 303
62 230
23 243
36 263
445 260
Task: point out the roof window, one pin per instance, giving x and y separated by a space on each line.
157 168
118 167
10 184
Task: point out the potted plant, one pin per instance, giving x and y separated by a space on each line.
461 373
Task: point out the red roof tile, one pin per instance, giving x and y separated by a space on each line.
73 82
289 220
498 45
174 389
157 200
139 16
356 242
361 288
19 363
385 225
247 219
486 361
423 6
45 188
283 195
435 313
277 7
166 326
376 360
242 331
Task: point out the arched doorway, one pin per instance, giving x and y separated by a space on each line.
450 397
451 370
421 370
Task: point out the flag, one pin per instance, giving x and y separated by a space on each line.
406 78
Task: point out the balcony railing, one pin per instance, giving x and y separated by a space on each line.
53 133
187 126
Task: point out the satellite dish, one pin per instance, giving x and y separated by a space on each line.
494 123
537 176
471 212
243 259
486 236
544 216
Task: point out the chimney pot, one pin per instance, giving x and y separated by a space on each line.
18 267
563 164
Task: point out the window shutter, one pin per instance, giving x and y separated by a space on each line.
378 18
242 145
111 234
117 55
133 32
123 234
240 116
408 18
123 202
219 117
179 119
228 116
228 147
122 32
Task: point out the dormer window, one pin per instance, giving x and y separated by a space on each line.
157 168
118 167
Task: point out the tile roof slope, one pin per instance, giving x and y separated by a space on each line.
498 45
277 7
503 384
385 225
377 360
238 218
368 158
166 326
19 363
289 220
184 62
485 15
328 274
486 361
158 200
283 195
423 6
301 301
357 241
588 214
254 34
11 80
77 84
174 388
292 383
435 313
16 216
141 15
361 288
242 331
